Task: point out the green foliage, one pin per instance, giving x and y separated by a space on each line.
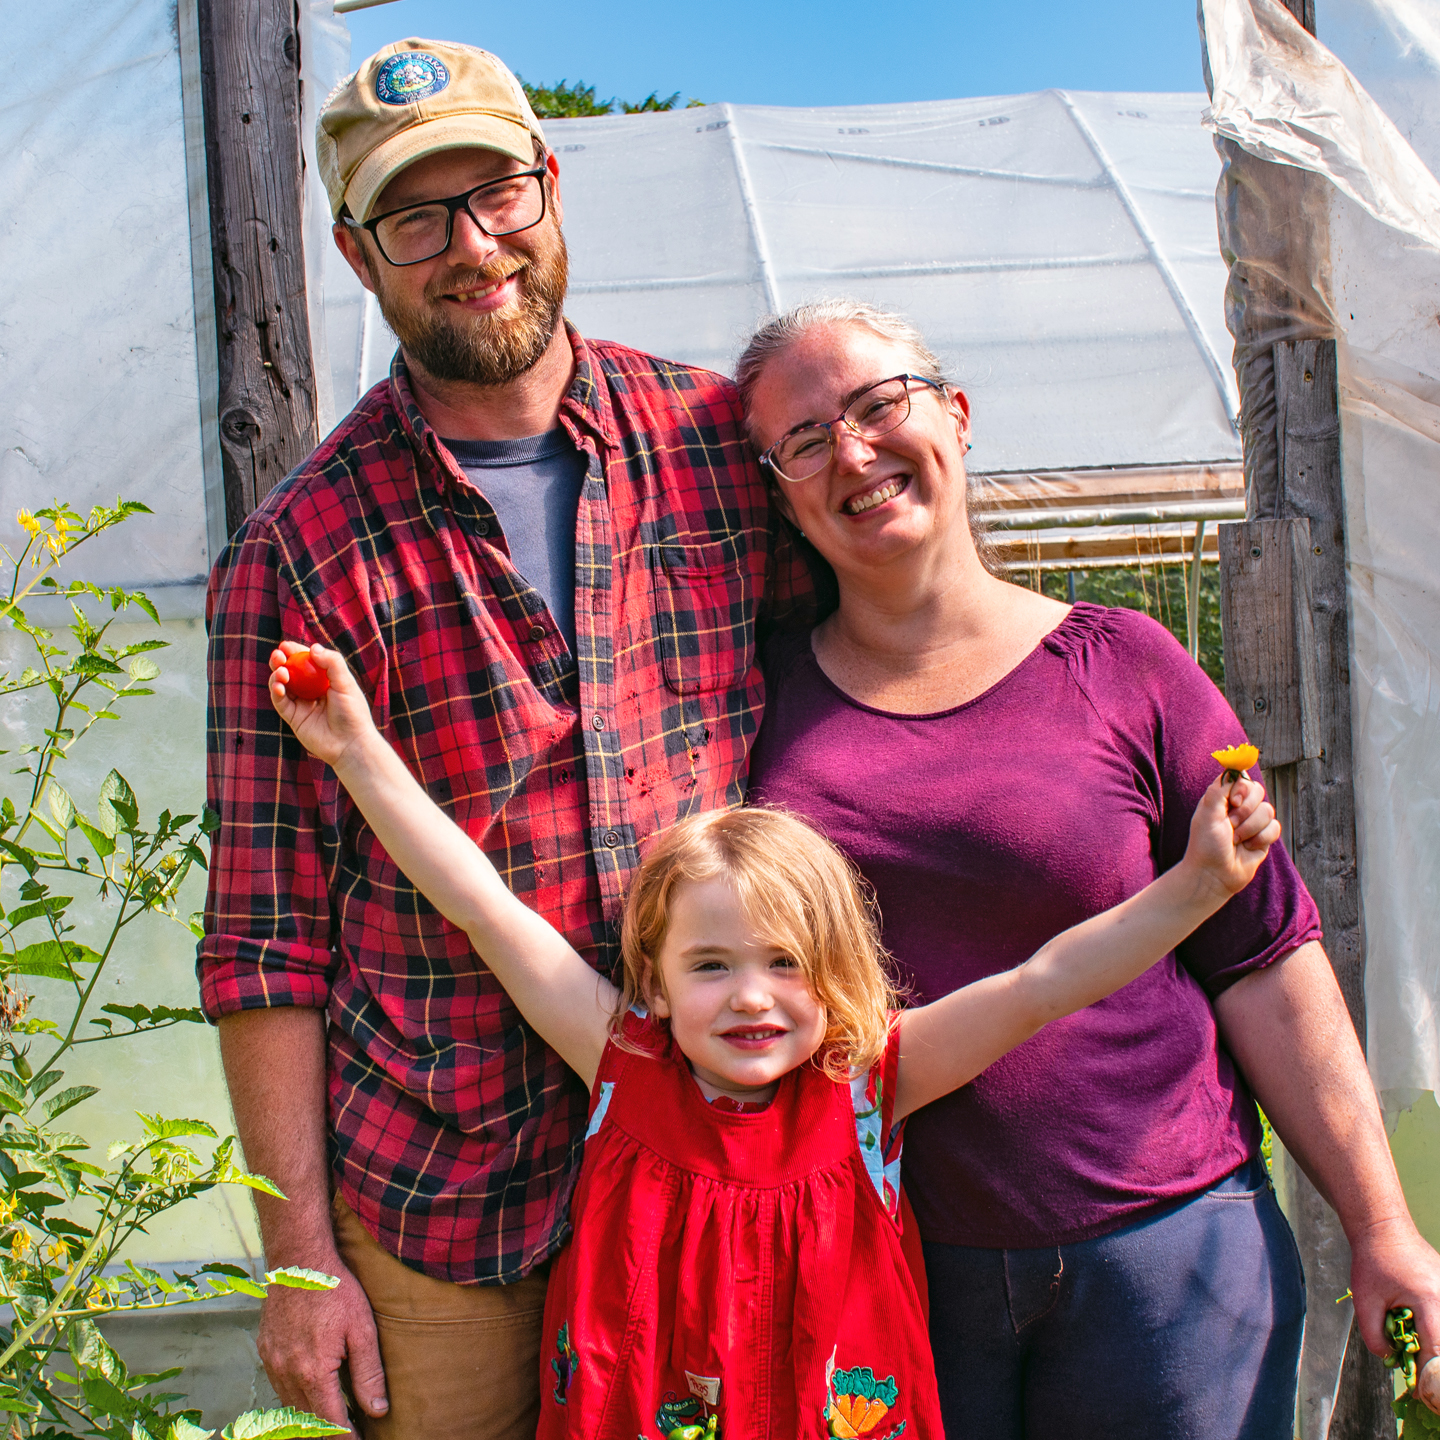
563 101
64 1219
1417 1420
1158 591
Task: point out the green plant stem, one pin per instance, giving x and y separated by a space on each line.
84 999
22 1339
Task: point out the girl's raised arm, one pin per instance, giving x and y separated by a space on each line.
946 1044
566 1002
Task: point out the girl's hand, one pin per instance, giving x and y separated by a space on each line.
1233 830
329 726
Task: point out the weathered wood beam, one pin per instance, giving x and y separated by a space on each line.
1265 614
250 72
1274 235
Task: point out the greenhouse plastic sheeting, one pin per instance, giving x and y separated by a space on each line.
107 321
1057 249
97 323
1283 96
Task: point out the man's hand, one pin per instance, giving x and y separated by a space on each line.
275 1068
307 1335
1391 1265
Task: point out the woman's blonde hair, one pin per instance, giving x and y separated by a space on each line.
799 893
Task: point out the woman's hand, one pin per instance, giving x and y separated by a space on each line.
1232 831
330 726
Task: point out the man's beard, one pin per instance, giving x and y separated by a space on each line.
483 349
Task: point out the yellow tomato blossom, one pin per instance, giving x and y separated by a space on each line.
1237 757
28 523
97 1299
57 1250
19 1244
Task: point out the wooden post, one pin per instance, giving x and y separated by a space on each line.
1287 674
250 72
1277 306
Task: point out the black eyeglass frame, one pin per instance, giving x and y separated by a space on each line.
843 418
454 204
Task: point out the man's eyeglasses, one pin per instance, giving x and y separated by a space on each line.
875 411
421 232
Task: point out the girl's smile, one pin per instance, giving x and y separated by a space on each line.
741 1009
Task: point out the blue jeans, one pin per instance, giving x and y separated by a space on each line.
1185 1326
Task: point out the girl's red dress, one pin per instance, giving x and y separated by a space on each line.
745 1266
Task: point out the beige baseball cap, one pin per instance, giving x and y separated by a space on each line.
412 99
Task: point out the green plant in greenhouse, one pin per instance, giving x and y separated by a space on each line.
64 1218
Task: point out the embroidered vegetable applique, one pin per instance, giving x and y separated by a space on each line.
685 1420
856 1402
566 1364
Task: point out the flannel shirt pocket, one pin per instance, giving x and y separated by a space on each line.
705 599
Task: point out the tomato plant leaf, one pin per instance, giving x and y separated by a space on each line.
19 853
117 807
173 1129
283 1424
66 1099
300 1277
62 807
45 960
182 1429
100 842
50 905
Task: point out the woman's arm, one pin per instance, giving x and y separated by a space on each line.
566 1002
946 1044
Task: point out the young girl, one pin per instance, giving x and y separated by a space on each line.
737 1266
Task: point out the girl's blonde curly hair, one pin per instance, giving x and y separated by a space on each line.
800 894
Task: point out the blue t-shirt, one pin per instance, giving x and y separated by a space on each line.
534 487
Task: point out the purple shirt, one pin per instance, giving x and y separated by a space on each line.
989 828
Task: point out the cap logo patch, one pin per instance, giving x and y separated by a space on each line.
410 76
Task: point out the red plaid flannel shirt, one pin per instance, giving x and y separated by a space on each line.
455 1131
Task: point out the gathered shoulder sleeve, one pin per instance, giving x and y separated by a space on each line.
1168 717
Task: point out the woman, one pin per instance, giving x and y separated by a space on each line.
1105 1255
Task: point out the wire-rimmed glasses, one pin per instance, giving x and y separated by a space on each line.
875 411
416 233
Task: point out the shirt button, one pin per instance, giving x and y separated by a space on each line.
597 722
612 839
537 632
482 527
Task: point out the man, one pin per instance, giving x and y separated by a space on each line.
544 558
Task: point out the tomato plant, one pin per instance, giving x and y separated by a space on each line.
65 1220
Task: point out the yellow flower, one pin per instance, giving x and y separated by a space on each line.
57 1250
1237 757
28 523
19 1244
97 1299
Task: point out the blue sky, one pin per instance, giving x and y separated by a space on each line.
770 52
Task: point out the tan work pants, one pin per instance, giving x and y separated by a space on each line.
462 1362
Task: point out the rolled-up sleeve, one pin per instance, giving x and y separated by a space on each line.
268 936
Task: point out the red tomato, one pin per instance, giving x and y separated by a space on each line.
307 680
